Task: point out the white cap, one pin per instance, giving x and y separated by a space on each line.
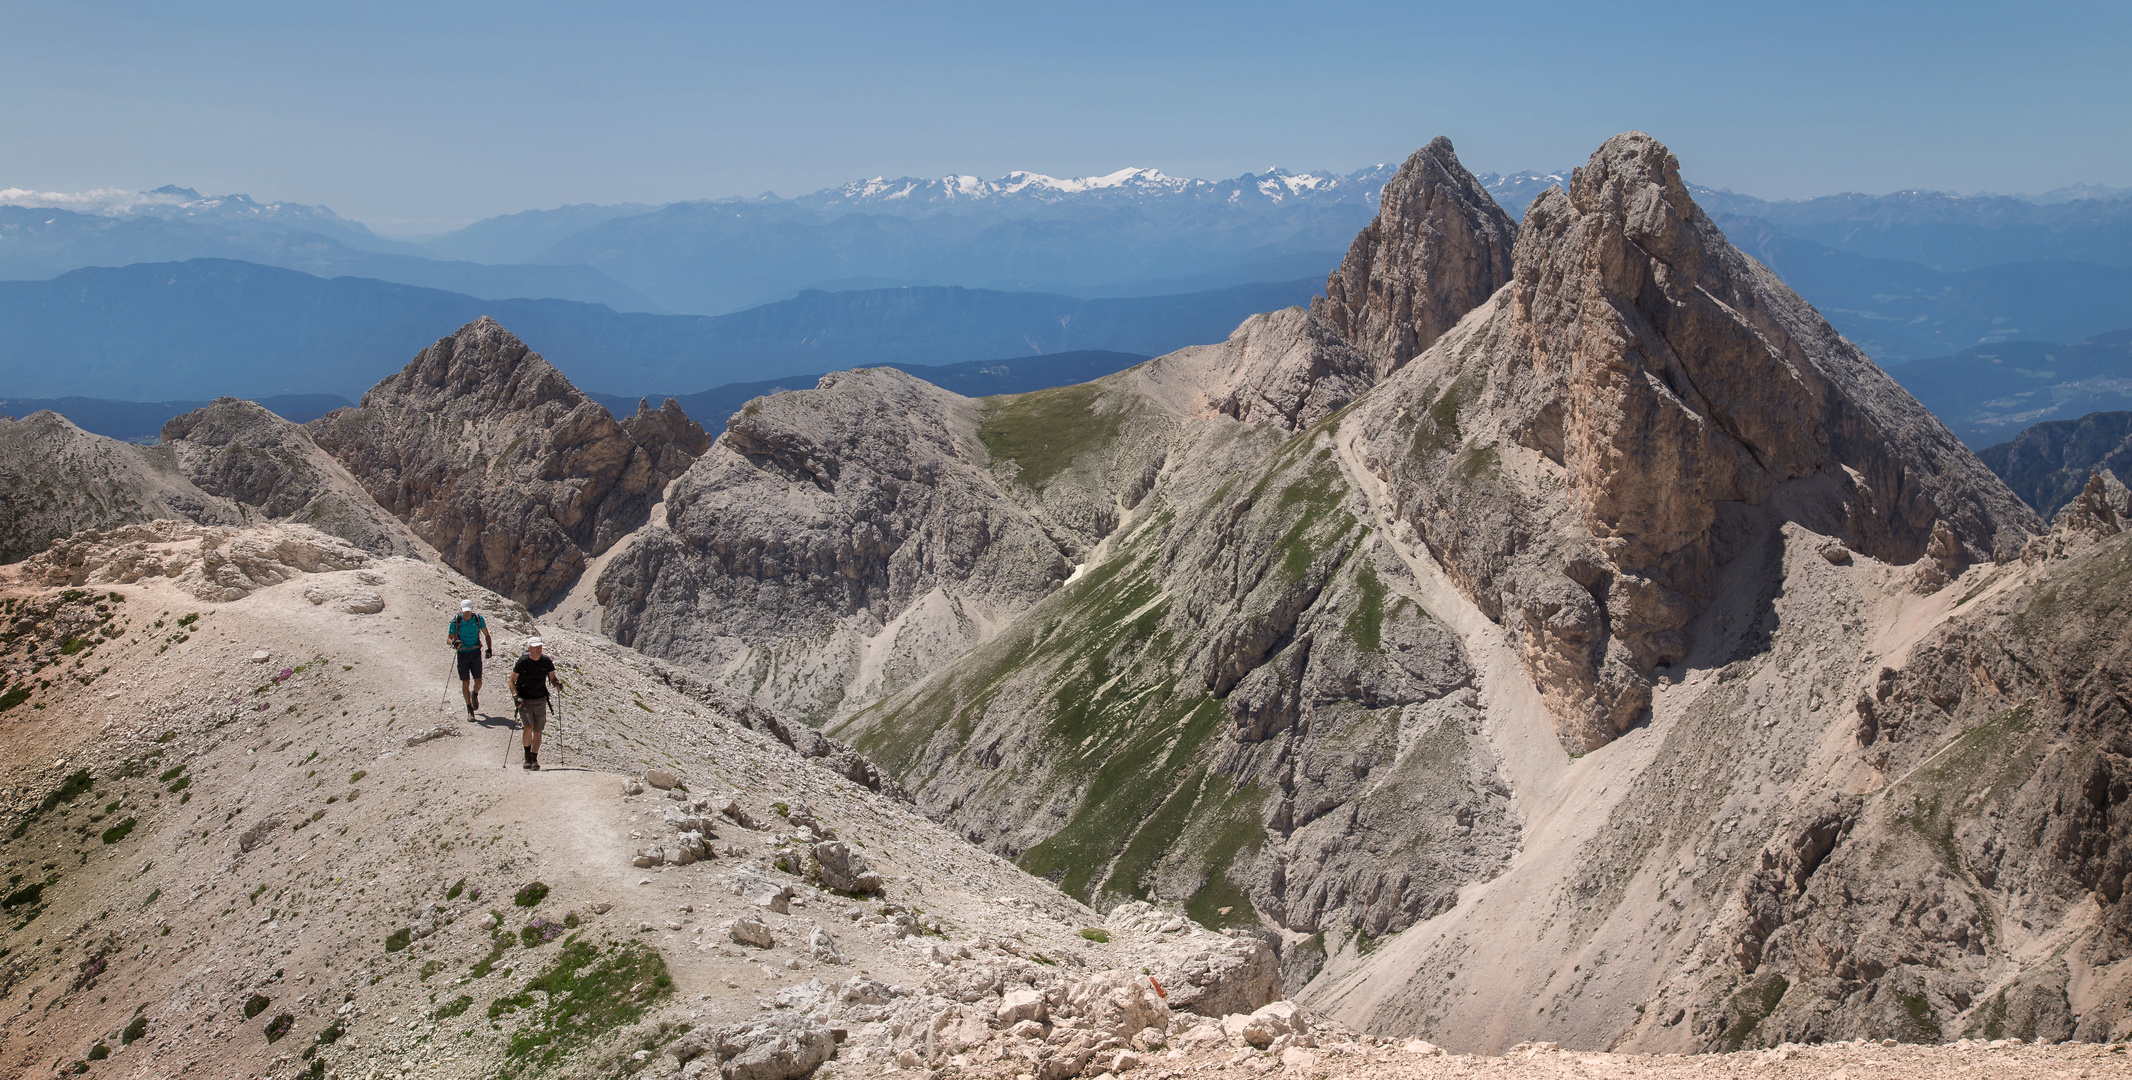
532 643
466 605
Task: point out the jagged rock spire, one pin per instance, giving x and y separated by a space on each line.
1569 454
1438 247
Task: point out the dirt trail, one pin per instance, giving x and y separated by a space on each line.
288 844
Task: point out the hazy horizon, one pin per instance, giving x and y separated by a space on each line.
418 118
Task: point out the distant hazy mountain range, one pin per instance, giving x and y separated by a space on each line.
1908 275
104 229
206 327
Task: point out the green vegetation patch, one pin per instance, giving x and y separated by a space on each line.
529 894
1099 936
590 993
1046 431
256 1004
118 832
1365 625
1750 1006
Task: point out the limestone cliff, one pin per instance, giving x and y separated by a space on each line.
488 453
1573 451
1438 246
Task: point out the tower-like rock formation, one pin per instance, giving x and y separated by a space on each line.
1437 248
1579 452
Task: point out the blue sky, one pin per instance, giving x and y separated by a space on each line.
420 116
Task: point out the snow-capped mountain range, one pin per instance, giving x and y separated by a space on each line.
173 203
903 194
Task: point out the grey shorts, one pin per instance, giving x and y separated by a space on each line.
534 712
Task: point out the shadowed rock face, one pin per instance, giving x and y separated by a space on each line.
488 453
1437 248
1569 452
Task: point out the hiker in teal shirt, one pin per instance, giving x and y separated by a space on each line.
468 633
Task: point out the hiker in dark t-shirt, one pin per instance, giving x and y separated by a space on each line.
467 633
530 679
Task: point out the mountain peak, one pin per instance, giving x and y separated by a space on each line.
1437 248
490 454
1587 451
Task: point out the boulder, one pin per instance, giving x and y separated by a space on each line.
749 930
864 990
1236 976
753 886
781 1046
1018 1005
687 848
845 870
1269 1022
730 807
955 1029
660 778
648 857
823 947
1121 1003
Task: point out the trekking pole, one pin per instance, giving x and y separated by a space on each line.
509 729
555 701
444 700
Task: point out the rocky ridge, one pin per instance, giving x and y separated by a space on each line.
403 898
230 463
2048 464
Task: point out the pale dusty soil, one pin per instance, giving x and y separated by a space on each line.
1362 1061
188 925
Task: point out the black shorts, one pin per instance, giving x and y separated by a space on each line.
469 664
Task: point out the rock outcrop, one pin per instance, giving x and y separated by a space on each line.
833 542
214 563
1578 452
1438 246
1289 368
239 450
56 479
489 454
231 463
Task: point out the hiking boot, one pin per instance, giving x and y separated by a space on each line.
533 762
477 702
